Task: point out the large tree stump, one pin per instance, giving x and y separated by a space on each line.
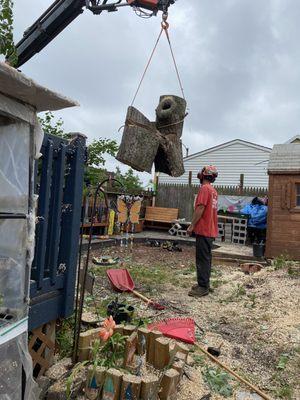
139 143
170 115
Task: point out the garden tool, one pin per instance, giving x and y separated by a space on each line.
122 281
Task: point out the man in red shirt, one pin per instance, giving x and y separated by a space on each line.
205 226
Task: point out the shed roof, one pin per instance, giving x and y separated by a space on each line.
16 85
284 158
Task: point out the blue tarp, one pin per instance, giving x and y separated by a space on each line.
258 215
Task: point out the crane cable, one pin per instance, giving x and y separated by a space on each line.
164 28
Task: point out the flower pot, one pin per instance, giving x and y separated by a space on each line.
120 312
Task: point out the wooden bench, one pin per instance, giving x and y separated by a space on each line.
160 217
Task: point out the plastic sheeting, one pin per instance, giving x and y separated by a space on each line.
14 168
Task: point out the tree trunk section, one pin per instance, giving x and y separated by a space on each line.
170 115
139 143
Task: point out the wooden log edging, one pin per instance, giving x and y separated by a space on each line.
112 384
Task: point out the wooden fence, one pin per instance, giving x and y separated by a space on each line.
182 196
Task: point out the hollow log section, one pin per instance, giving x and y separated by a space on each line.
160 352
145 142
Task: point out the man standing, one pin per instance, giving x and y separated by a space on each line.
205 226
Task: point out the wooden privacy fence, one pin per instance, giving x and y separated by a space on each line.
59 184
182 196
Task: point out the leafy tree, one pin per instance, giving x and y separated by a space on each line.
130 181
7 46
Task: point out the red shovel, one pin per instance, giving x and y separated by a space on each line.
122 281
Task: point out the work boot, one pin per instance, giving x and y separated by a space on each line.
198 291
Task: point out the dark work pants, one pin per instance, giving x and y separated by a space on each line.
203 259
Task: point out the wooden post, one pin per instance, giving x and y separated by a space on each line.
84 346
161 353
179 366
130 349
149 388
169 384
131 387
128 330
241 183
151 346
112 385
155 188
95 381
190 177
143 339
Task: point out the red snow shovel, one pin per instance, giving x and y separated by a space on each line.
122 282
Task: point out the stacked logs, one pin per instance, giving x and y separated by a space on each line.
145 142
160 352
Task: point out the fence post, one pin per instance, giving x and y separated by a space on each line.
155 188
70 224
190 177
241 183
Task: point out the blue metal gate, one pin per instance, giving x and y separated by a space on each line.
59 184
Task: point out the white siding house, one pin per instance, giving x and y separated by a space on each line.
231 159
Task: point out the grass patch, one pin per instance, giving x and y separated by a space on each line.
218 381
64 337
238 292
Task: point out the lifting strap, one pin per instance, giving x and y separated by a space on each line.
164 28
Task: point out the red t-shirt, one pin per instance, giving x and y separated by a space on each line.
208 224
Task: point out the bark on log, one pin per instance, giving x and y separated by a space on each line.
131 387
161 353
170 115
140 141
149 388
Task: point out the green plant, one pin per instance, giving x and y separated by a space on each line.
130 181
252 297
294 270
7 46
283 360
199 360
64 337
112 351
72 376
237 292
218 381
280 262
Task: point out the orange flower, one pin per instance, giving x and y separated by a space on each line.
108 329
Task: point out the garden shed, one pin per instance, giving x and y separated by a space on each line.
283 233
21 144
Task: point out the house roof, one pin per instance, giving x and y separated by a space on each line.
16 85
284 158
231 142
294 139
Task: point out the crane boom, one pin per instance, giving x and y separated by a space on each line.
62 12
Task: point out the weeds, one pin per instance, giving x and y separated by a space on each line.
218 381
252 297
283 360
237 292
199 360
64 337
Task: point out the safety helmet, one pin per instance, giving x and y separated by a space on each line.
209 172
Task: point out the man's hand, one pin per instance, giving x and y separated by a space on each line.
190 230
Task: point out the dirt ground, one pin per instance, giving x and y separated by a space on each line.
255 317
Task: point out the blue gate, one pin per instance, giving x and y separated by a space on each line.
59 183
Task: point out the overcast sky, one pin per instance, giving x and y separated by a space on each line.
239 61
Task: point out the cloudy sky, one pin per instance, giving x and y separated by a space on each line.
239 61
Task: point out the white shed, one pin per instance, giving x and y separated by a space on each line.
231 159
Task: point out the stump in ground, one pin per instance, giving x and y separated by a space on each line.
161 353
139 143
112 385
95 381
151 346
169 384
143 338
130 350
131 387
149 388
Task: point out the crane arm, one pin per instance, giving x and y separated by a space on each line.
62 12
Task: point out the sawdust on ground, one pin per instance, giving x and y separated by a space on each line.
255 317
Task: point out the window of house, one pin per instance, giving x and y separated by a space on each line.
297 194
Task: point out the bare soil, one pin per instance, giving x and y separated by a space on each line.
255 317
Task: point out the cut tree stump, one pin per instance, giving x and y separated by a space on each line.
112 385
151 346
162 353
139 143
95 381
143 338
131 387
149 388
170 114
169 384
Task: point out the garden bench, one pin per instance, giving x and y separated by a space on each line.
160 217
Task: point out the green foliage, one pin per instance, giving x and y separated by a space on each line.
7 46
280 262
51 126
130 181
199 360
97 148
72 377
237 292
218 381
283 360
112 353
64 337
